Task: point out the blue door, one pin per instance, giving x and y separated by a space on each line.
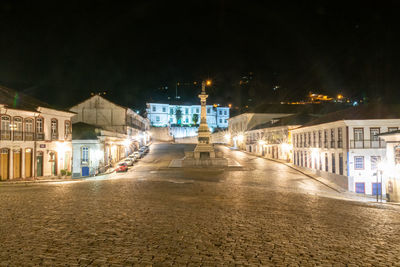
85 171
376 189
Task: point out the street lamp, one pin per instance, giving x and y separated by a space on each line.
208 82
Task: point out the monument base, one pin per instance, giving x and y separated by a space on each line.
197 159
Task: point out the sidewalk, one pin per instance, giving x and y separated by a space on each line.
323 181
48 179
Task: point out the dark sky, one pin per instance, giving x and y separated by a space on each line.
61 51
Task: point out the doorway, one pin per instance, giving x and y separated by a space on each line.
39 164
17 163
28 163
4 163
53 162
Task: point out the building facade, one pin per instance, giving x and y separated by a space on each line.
241 124
35 140
162 115
389 171
346 151
105 134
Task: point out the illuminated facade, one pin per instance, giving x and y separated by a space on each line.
105 133
35 140
239 125
345 148
162 115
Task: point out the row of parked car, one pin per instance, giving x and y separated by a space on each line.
132 158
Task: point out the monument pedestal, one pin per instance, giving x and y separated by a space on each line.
203 154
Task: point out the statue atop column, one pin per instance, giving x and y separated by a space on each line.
204 148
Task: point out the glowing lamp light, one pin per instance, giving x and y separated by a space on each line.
286 146
61 147
208 82
240 137
227 136
261 142
127 143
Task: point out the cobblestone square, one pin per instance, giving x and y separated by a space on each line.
263 214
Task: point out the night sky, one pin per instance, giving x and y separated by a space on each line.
61 51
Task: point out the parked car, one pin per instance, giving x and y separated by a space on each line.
132 157
129 161
138 154
122 167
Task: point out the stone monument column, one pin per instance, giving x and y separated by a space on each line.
204 148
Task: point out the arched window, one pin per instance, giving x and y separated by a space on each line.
29 130
39 128
67 130
54 129
5 128
17 128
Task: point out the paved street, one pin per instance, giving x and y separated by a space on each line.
262 214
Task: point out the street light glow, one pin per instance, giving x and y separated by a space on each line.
208 82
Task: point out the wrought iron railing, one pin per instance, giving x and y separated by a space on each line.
18 136
367 144
5 135
39 136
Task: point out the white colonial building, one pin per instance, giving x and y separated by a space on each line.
162 115
240 124
345 146
105 134
273 139
35 139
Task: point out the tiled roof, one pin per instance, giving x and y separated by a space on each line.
297 119
84 131
364 112
14 99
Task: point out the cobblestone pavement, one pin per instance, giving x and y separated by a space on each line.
266 214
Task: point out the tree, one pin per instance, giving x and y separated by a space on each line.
178 115
195 118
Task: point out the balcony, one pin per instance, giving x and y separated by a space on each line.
367 144
29 136
5 135
18 136
39 136
333 145
340 144
54 136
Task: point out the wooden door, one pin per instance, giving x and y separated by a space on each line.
39 164
4 164
17 163
28 163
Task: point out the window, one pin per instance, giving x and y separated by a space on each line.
171 120
17 128
157 118
319 138
305 159
220 112
197 110
340 138
358 134
39 125
314 139
220 120
186 111
226 121
397 155
374 162
374 134
84 155
376 189
359 163
29 130
392 129
186 120
360 188
325 138
309 139
225 113
5 128
341 163
326 162
333 163
208 110
67 129
154 108
171 111
332 138
164 109
54 129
